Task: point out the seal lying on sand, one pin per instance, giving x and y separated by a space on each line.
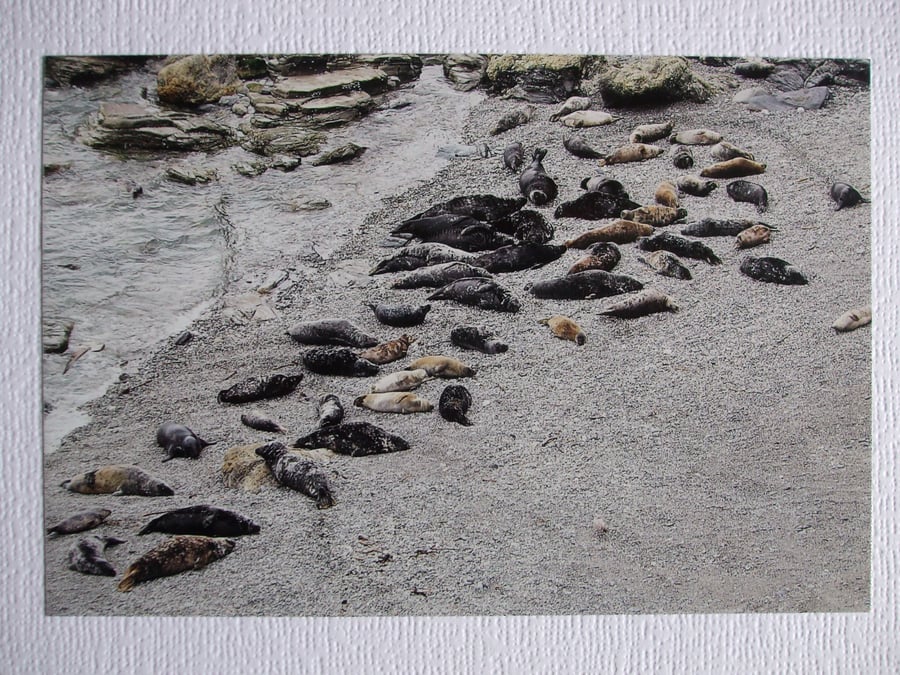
577 146
399 316
589 284
753 236
389 351
534 182
565 328
435 276
173 556
512 120
714 227
455 403
337 361
570 105
772 270
696 137
618 232
647 133
402 380
656 215
604 255
81 521
683 158
667 264
692 185
86 555
179 441
297 473
487 208
733 168
527 226
482 293
210 521
844 194
355 439
633 152
648 301
679 246
477 338
442 366
331 332
594 205
118 479
519 257
259 388
853 319
513 156
255 419
419 255
329 411
745 191
394 402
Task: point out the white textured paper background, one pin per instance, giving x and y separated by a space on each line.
31 642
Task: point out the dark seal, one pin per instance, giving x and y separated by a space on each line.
81 521
204 519
355 439
331 332
747 191
330 411
587 284
844 195
773 271
487 208
86 555
683 157
519 257
686 248
297 473
714 227
577 146
179 441
595 205
399 316
478 339
478 292
455 403
534 182
337 361
513 156
259 388
527 226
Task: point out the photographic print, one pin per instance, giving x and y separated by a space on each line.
456 334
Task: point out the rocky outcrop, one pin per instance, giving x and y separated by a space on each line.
194 80
808 98
536 78
55 335
405 67
651 80
465 71
290 140
369 80
86 70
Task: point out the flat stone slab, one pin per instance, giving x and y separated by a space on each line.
809 98
370 80
355 100
55 336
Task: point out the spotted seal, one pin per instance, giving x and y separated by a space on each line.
655 215
527 226
435 276
733 168
683 158
394 402
355 439
513 156
666 194
512 120
679 246
772 270
604 255
594 205
337 361
588 118
478 292
477 338
260 388
210 521
179 441
402 380
118 479
565 328
692 185
534 182
618 232
297 473
633 152
389 351
484 207
86 555
696 137
717 227
455 403
329 411
338 332
723 151
399 316
853 319
442 366
746 191
577 146
667 264
589 284
845 195
753 236
419 255
519 257
79 522
647 133
570 105
648 301
182 553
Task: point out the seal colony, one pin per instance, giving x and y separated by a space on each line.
340 359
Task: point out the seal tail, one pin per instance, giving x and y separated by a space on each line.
129 580
324 499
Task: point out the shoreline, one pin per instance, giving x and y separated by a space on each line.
648 426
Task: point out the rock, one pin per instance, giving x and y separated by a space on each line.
341 154
191 175
52 168
767 102
406 67
840 73
248 306
250 66
745 95
243 468
250 169
334 110
716 61
369 80
298 64
536 78
811 98
465 71
650 81
305 203
755 68
55 335
87 70
197 79
284 163
787 77
289 140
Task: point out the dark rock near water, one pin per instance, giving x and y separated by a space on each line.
369 80
342 154
55 335
650 81
291 140
197 79
86 70
754 69
536 78
298 64
191 175
465 71
406 67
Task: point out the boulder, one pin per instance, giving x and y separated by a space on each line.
291 140
298 64
406 67
840 73
334 110
55 335
189 175
465 71
87 70
754 68
198 79
809 98
651 80
369 80
536 78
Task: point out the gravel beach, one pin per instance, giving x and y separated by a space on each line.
726 447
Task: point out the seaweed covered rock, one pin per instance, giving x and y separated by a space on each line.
650 81
465 71
547 78
194 80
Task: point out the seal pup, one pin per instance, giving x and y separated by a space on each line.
259 388
535 184
442 366
86 555
519 257
402 380
527 226
513 156
329 411
633 152
723 151
355 439
773 271
580 119
655 215
845 194
583 285
618 232
478 339
577 146
435 276
647 133
394 402
399 316
753 236
256 419
733 168
603 183
570 105
692 185
603 255
666 194
79 522
679 246
418 255
182 553
388 352
696 137
484 207
745 191
714 227
118 479
667 264
428 228
564 328
210 521
853 319
477 292
297 473
594 205
455 403
512 120
337 361
338 332
648 301
683 158
179 441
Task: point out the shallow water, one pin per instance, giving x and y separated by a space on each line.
134 271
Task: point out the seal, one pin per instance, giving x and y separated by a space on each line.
733 168
513 156
633 152
429 227
647 133
696 137
389 351
582 285
297 473
519 257
570 105
683 158
256 419
329 411
394 402
455 403
723 151
402 380
773 271
648 301
604 183
477 292
118 479
462 232
577 146
666 194
477 338
594 205
658 216
535 184
512 120
182 553
259 388
356 439
564 328
484 207
79 522
667 241
210 521
442 366
603 255
714 227
580 119
853 319
179 441
435 276
753 236
416 256
745 191
667 264
337 361
338 332
845 195
399 316
527 226
692 185
86 555
618 232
